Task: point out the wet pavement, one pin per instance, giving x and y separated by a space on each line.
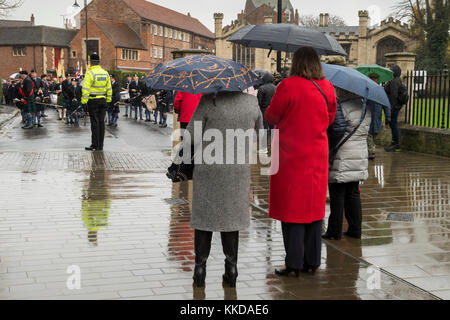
116 217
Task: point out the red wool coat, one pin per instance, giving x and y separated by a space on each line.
185 104
299 111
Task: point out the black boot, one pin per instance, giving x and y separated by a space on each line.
202 250
230 244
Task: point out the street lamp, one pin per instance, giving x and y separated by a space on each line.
279 20
445 93
76 5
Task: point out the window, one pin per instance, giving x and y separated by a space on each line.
166 32
161 53
155 53
93 46
180 35
170 33
244 55
188 38
74 54
19 51
155 30
161 31
128 54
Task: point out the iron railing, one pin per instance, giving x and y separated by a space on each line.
429 96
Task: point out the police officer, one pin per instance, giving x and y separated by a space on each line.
97 94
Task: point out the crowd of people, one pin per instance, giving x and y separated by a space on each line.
324 142
33 95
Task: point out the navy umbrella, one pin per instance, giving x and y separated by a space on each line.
202 74
355 82
286 37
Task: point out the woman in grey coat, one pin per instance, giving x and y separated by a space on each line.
221 200
350 166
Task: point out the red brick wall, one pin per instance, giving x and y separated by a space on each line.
10 64
113 10
107 49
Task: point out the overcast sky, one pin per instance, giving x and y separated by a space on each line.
49 12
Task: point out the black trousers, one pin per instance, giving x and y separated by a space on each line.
97 113
345 197
303 244
202 243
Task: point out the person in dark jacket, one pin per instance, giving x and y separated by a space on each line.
38 97
392 89
4 91
166 105
136 97
376 110
26 92
114 106
75 98
265 95
66 92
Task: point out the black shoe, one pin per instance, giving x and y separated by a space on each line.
199 276
44 116
202 250
372 157
40 125
27 127
288 272
230 243
352 235
328 236
309 269
392 148
125 116
163 125
90 148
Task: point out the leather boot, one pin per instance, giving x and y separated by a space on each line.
202 250
230 244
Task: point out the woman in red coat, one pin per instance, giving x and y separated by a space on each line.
185 104
298 190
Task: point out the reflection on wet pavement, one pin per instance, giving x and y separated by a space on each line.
116 216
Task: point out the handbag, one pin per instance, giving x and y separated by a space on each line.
183 171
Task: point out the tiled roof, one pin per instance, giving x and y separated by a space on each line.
156 13
15 23
338 30
120 34
36 35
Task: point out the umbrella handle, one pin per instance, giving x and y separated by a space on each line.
364 111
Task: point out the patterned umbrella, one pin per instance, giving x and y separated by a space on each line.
384 73
202 74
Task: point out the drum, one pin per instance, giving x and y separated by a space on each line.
124 96
54 99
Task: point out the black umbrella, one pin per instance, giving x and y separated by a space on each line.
286 37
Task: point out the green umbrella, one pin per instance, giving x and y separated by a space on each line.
384 73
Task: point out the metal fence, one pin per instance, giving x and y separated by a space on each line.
429 95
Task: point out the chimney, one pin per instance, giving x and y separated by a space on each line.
32 19
189 14
218 18
297 17
327 20
321 20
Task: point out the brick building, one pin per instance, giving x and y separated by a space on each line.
24 45
136 35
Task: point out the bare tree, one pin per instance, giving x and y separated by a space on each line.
430 24
6 6
314 21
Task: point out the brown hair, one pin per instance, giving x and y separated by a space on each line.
306 64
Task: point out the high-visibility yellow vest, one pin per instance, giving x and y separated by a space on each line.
96 85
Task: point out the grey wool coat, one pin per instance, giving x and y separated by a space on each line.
352 160
221 197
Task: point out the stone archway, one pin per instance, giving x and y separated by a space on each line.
386 45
